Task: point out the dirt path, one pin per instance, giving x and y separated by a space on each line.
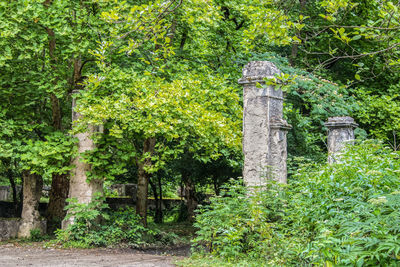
11 255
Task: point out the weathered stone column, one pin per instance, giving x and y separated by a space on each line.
30 217
340 132
264 129
79 187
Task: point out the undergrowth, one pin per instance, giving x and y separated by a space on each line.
345 214
97 226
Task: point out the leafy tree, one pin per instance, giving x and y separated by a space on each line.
44 51
161 114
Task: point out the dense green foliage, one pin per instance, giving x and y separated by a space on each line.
97 226
166 71
341 214
40 42
352 43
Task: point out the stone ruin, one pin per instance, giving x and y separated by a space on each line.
340 133
264 129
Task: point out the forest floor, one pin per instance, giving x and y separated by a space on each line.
34 254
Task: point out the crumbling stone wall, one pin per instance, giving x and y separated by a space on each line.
9 228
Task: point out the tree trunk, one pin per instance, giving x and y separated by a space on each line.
159 216
56 112
190 197
30 216
79 186
157 199
143 180
60 183
21 198
293 54
216 186
10 177
295 46
155 194
14 190
141 201
57 198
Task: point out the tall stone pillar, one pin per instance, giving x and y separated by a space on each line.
264 129
340 132
79 187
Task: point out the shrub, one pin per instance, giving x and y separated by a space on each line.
342 214
242 225
37 235
97 226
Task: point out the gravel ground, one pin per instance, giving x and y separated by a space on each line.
14 255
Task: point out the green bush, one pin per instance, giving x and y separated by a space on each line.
241 225
37 235
97 226
342 214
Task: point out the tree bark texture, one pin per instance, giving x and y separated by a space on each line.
14 190
190 196
10 176
32 192
60 183
143 180
80 187
57 198
158 216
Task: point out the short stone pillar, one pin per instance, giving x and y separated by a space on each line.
340 132
264 129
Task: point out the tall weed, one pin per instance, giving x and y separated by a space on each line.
344 214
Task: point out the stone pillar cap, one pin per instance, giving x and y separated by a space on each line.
337 122
256 71
280 124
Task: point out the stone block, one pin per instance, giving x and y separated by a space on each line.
13 227
25 228
9 228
